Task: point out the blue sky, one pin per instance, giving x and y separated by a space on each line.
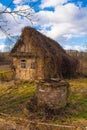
62 20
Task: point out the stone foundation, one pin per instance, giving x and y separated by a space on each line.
52 94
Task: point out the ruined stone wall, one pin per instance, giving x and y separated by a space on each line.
28 73
52 94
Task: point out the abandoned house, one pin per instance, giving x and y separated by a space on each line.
35 56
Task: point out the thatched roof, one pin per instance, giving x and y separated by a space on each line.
38 39
49 48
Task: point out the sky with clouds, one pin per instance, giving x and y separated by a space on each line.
63 20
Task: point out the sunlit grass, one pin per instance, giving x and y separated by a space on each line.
78 97
13 97
6 75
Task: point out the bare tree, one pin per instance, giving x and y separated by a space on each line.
20 12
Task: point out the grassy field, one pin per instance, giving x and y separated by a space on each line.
6 75
13 97
77 102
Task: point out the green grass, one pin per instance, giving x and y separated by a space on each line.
77 107
13 98
75 111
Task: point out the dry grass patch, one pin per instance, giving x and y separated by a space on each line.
12 98
6 75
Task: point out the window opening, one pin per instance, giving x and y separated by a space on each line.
33 65
23 64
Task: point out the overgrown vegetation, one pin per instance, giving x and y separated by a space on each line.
6 75
13 98
82 57
53 57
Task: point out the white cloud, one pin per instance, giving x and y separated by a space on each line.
76 47
13 24
66 21
20 2
67 47
52 3
2 7
17 2
4 47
